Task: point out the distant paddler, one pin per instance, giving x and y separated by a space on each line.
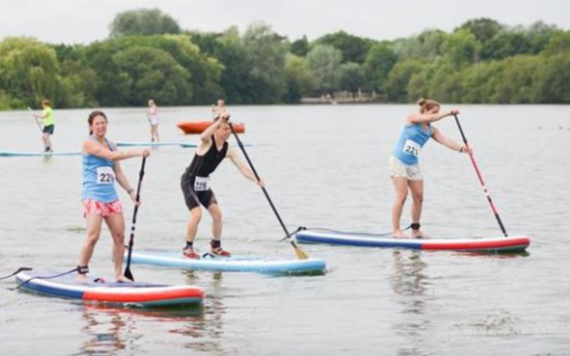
212 149
101 169
220 108
48 126
153 120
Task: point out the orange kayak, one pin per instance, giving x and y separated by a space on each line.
197 127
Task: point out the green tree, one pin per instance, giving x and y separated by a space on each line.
265 54
539 35
153 73
554 79
324 62
353 48
559 42
29 72
462 48
399 78
235 75
300 47
484 29
379 62
506 44
352 77
143 22
299 80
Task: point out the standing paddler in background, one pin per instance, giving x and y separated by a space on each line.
101 169
195 181
219 109
153 120
404 164
48 124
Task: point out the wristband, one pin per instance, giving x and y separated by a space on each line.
461 149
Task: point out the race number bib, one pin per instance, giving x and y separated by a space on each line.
105 175
202 184
412 148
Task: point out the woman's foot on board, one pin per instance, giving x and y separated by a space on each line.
189 252
218 251
399 234
123 279
82 274
418 234
81 278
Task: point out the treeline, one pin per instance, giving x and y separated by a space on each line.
148 55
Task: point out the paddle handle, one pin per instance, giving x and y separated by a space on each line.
128 273
481 180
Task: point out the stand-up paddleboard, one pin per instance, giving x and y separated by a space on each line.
166 258
136 293
483 244
155 144
36 154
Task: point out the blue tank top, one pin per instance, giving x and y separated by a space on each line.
99 177
411 141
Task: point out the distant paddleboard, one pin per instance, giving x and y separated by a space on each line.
155 144
36 154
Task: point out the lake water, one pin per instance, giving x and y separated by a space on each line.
324 166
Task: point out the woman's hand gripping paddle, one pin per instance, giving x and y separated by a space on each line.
300 253
128 272
480 176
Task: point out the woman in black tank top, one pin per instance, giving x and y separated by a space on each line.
195 182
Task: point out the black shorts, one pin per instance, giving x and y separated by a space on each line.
193 198
49 129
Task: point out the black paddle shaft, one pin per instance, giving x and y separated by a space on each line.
259 179
480 176
128 273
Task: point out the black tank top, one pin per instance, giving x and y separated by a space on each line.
202 166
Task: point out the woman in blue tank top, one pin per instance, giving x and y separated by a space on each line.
404 164
101 169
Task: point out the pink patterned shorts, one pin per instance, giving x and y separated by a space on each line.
95 207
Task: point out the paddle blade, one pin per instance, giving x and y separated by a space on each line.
301 255
129 275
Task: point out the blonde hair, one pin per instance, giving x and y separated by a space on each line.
427 104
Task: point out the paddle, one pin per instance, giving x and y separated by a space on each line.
300 253
35 119
128 272
480 176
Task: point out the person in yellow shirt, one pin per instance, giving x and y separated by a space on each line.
49 124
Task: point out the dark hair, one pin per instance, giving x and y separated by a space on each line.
92 117
46 102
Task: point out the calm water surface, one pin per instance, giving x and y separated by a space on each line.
324 166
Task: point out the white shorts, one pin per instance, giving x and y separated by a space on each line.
399 169
154 120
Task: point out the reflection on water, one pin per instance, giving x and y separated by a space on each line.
410 283
111 329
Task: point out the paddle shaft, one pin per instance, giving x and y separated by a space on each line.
480 176
128 273
240 144
36 119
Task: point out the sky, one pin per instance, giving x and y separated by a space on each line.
86 21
